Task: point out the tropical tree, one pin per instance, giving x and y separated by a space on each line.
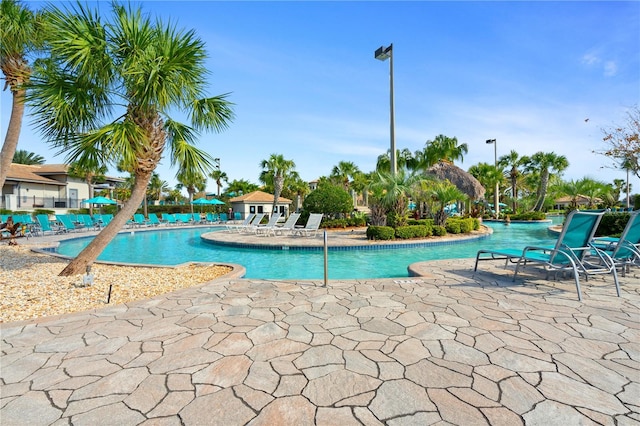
623 142
192 181
512 162
299 188
90 173
241 186
543 164
344 173
157 187
25 157
441 148
489 176
219 177
442 194
96 67
274 171
404 159
393 193
20 35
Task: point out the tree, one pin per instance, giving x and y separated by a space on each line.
90 173
442 148
543 164
219 177
443 193
329 199
274 171
299 189
488 175
512 161
20 34
157 187
193 182
242 186
623 142
393 193
25 157
150 68
344 172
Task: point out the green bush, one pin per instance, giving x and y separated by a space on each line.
612 224
334 223
413 231
453 226
427 222
380 233
529 216
357 221
328 199
439 231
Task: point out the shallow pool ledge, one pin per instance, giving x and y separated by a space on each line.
355 239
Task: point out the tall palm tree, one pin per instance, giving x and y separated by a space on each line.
96 66
544 163
512 161
157 187
299 188
20 34
241 186
219 177
441 148
90 173
444 193
193 182
344 173
404 158
22 156
488 175
393 193
274 171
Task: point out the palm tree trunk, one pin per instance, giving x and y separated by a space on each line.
542 191
278 183
13 134
93 250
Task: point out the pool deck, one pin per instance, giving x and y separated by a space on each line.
447 347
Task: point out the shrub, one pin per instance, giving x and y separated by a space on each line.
439 231
380 233
334 223
529 216
328 199
413 231
357 221
452 226
612 224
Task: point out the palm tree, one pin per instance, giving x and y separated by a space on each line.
444 193
488 175
90 173
20 34
344 172
442 148
404 159
512 161
25 157
157 187
299 188
274 170
193 182
543 164
241 186
219 177
393 193
147 66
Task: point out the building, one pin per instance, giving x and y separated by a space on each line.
259 202
47 186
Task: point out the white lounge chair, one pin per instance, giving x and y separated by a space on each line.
237 226
311 228
288 226
255 222
269 226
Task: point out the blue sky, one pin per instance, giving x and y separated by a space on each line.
536 76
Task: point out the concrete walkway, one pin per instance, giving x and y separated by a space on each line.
445 348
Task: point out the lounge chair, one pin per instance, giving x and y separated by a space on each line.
255 222
153 219
169 219
624 251
572 252
139 220
235 226
68 223
287 226
269 226
47 226
311 228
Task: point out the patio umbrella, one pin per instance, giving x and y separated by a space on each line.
100 200
201 201
215 201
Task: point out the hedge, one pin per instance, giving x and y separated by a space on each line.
380 233
413 231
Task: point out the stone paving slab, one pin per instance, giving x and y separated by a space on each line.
449 347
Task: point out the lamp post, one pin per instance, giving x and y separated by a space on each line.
382 54
496 199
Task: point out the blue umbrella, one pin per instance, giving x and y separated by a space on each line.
99 200
201 201
215 201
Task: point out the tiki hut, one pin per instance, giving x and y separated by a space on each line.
464 181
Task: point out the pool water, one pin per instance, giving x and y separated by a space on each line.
175 246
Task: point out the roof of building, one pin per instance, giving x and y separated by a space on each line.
258 197
29 173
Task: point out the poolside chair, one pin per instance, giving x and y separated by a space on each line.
624 251
153 219
169 219
573 251
88 222
255 222
269 226
67 223
139 220
311 228
287 226
235 226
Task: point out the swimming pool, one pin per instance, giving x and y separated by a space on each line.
175 246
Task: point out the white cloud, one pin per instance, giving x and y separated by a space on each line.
610 68
590 59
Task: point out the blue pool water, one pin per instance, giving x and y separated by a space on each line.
175 246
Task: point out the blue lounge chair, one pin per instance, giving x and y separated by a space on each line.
624 251
153 219
46 225
572 252
139 220
68 223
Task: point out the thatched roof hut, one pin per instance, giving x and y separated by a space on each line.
464 181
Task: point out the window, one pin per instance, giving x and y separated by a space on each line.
260 209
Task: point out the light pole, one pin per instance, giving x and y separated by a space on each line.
382 54
496 199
